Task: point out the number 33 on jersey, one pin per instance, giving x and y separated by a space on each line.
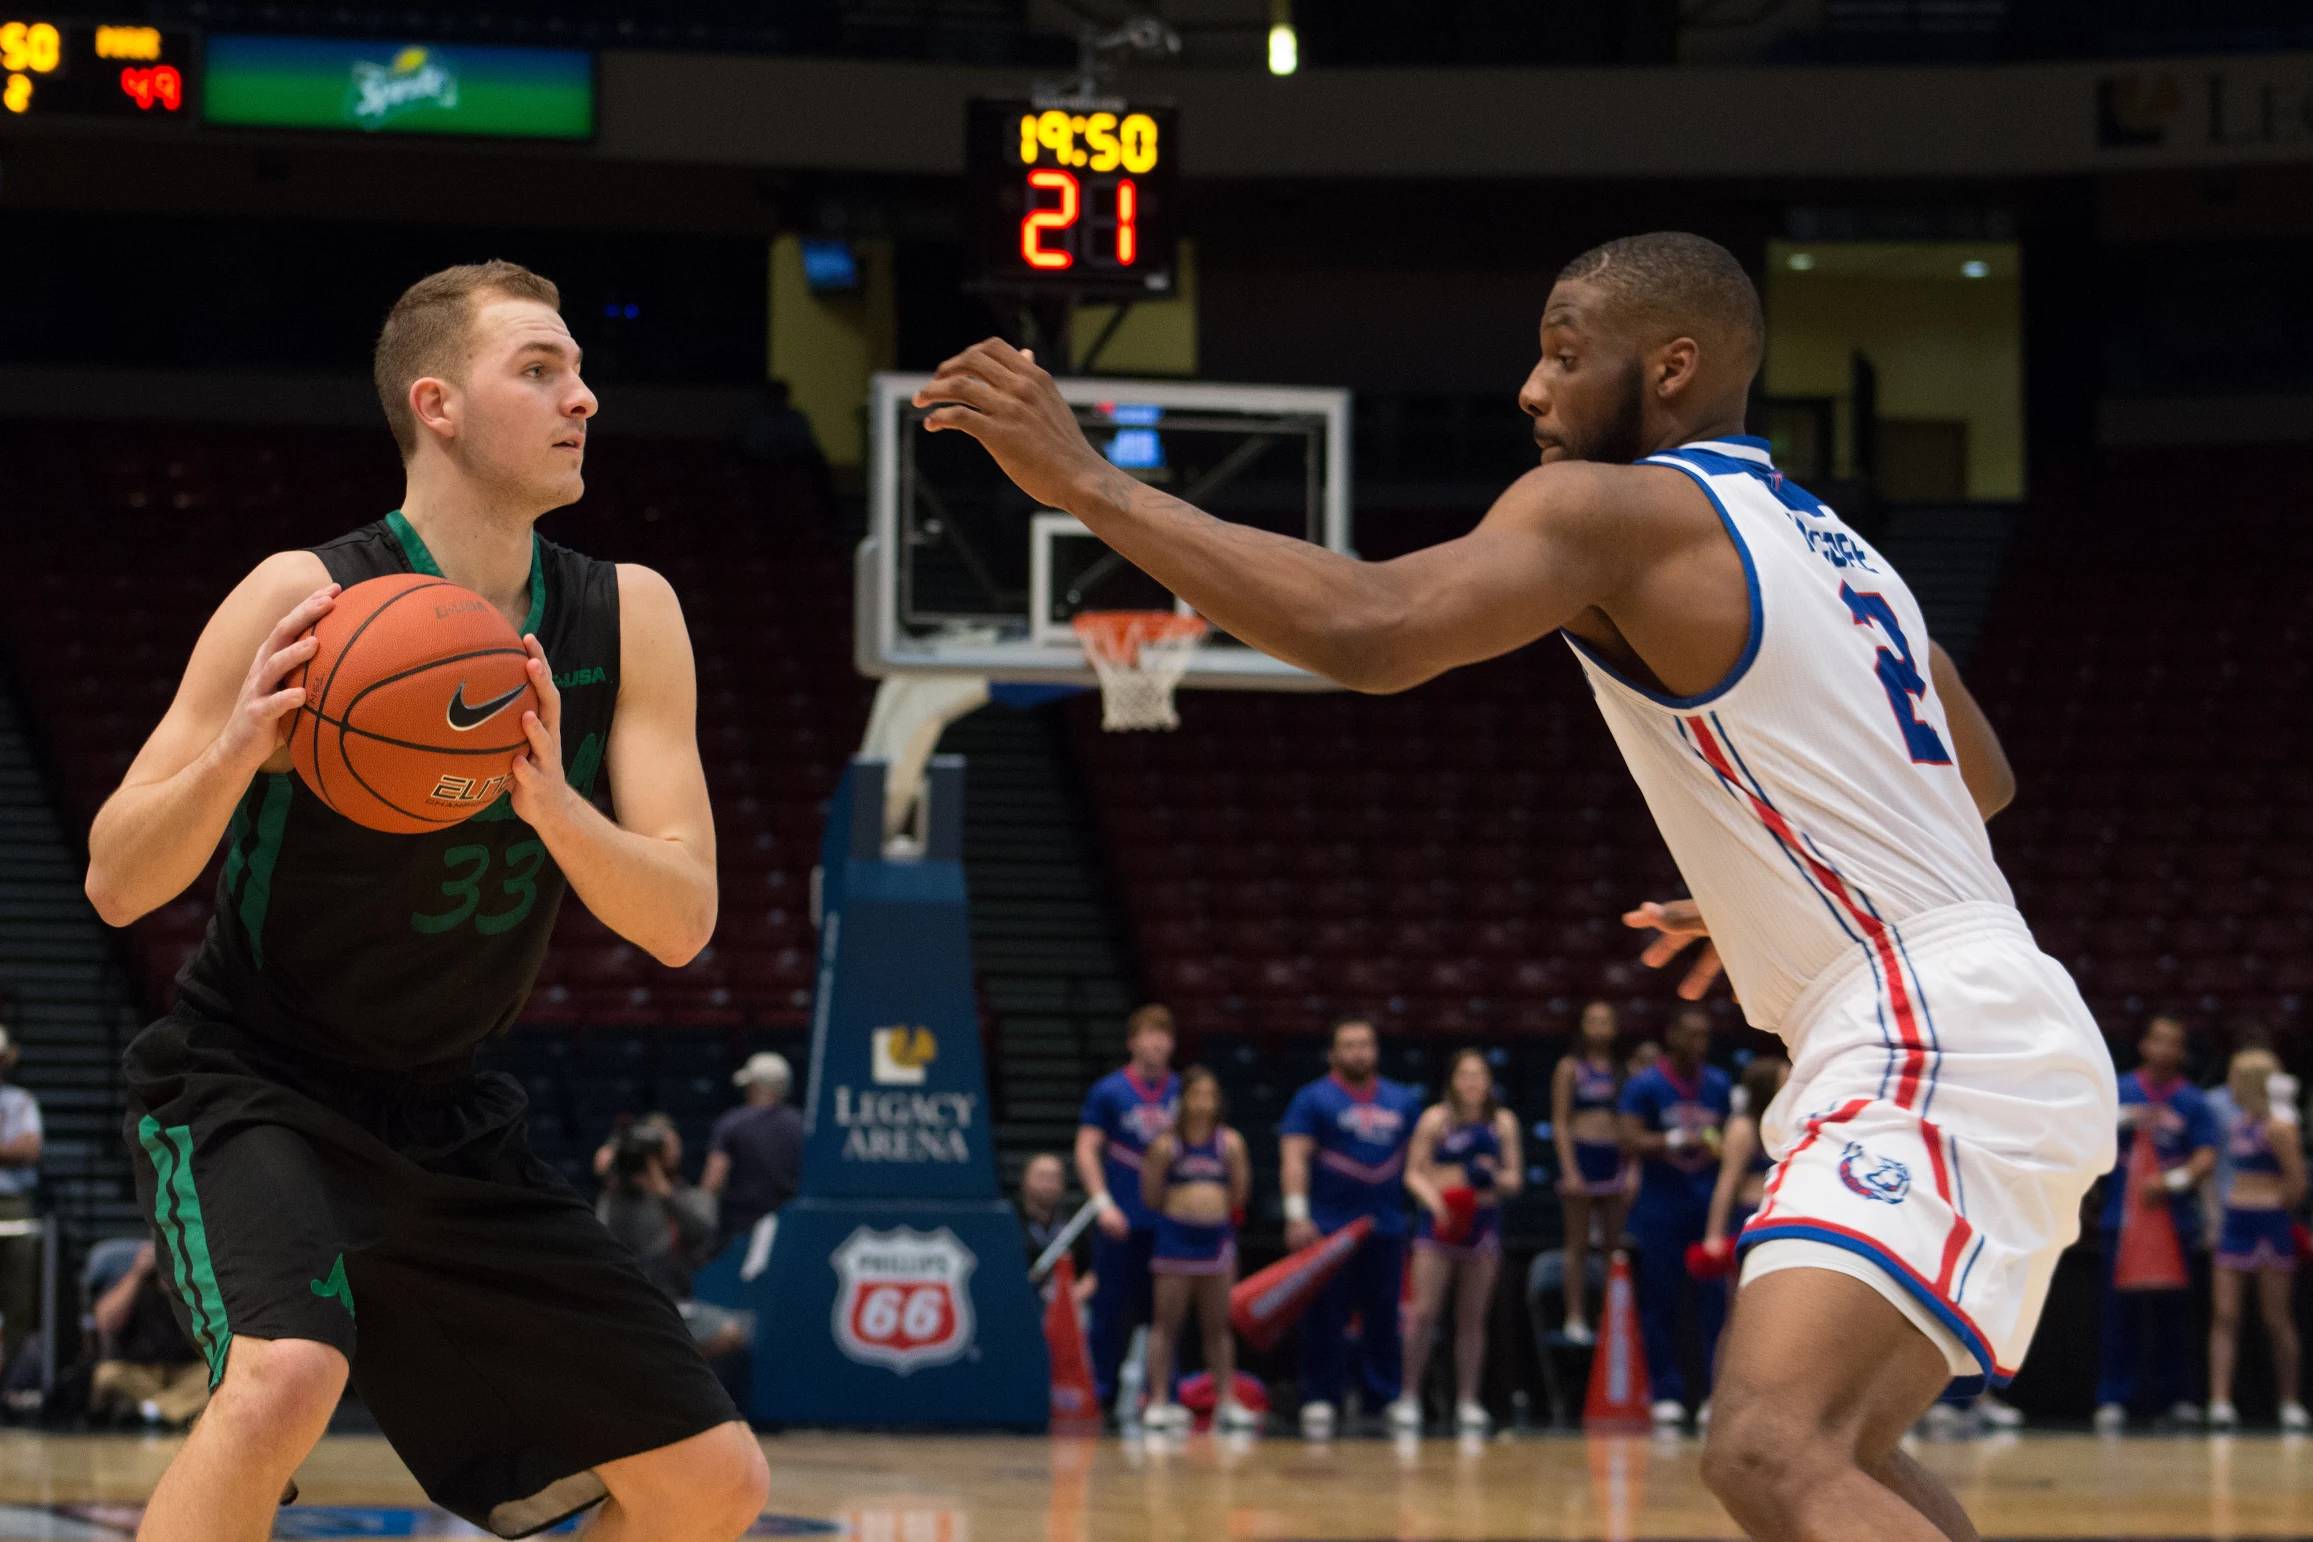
1811 797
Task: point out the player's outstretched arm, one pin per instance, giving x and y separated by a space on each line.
230 717
1984 767
650 876
1546 552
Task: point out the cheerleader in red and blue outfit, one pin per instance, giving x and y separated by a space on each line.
1462 1162
1593 1174
2268 1167
1195 1179
1743 1160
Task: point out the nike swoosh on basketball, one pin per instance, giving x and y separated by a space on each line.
465 719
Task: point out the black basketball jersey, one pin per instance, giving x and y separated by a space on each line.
394 951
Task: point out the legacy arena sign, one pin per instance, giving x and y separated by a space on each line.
899 1119
905 1126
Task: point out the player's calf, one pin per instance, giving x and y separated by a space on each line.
709 1488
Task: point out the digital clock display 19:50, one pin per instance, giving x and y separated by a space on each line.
1077 196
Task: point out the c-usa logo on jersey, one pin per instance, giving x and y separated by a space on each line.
1874 1176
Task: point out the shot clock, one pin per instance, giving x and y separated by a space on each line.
54 66
1073 195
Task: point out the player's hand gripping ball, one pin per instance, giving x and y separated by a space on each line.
413 705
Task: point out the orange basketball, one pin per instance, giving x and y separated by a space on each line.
413 705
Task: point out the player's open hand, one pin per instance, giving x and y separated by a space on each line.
539 788
1000 396
263 712
1677 924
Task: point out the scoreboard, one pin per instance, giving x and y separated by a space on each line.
1074 195
63 66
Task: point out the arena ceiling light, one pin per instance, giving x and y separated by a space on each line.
1284 44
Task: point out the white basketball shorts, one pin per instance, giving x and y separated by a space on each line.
1950 1102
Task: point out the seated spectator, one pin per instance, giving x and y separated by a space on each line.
1043 1185
146 1369
755 1155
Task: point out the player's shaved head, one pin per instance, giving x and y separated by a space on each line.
1670 284
1647 342
429 332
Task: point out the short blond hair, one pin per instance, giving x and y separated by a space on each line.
428 332
2250 1080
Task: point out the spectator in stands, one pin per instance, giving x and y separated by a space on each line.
2267 1165
1341 1149
1462 1163
1592 1181
1196 1179
146 1369
2158 1103
669 1224
755 1155
1673 1114
1124 1112
19 1176
1043 1217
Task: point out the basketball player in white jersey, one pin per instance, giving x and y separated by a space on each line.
1822 778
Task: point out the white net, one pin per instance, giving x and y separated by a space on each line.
1139 655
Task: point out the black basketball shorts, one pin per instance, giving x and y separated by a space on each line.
506 1343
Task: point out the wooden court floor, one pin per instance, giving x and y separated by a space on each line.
879 1488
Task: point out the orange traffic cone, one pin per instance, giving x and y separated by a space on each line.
1075 1406
2151 1257
1617 1403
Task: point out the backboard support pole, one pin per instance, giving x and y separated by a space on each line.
911 711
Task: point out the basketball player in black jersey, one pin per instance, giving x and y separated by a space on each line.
335 1189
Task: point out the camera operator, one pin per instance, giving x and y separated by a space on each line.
668 1223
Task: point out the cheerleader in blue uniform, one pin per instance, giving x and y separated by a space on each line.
1195 1180
1593 1174
2268 1166
1462 1162
1743 1158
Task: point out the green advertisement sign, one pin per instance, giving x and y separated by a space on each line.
399 88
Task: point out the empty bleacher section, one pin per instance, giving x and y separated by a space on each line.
122 541
2146 666
63 995
1454 861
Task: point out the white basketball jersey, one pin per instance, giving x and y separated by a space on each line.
1811 798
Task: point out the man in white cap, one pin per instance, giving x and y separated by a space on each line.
755 1156
19 1173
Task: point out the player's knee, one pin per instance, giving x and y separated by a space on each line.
737 1483
1754 1459
281 1383
717 1483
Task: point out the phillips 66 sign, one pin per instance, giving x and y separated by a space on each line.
903 1298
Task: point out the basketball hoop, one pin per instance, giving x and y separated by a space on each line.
1139 655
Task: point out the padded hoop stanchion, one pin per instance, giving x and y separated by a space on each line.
1139 655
